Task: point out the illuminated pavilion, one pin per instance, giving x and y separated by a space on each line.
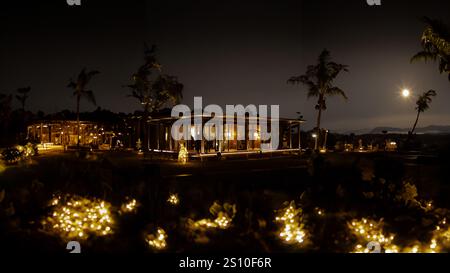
64 133
160 139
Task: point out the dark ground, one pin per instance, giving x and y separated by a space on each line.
258 187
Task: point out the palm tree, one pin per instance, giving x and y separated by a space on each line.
423 104
435 45
153 89
80 92
23 96
319 80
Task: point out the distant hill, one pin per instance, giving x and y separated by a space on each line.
432 129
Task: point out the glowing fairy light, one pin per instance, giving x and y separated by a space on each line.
173 199
157 240
75 217
28 150
223 218
129 206
440 242
223 221
440 239
290 219
55 201
183 155
367 231
319 211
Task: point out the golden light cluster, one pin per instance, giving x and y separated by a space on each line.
224 217
26 150
223 221
440 241
418 247
183 154
78 217
369 231
157 240
173 199
129 206
290 219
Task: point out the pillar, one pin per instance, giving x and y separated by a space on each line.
299 138
290 135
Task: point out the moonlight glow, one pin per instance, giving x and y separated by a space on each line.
406 93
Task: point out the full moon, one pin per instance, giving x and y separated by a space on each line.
406 93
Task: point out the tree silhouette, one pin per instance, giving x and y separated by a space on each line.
423 104
153 89
435 45
80 91
319 81
23 96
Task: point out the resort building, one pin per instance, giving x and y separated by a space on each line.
157 133
64 133
160 140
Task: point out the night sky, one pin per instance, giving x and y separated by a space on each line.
229 52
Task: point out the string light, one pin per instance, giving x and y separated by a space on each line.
173 199
319 211
224 217
158 239
367 231
291 224
129 206
183 154
78 217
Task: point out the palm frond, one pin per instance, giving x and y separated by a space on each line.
89 95
423 56
294 80
72 84
91 74
424 100
337 91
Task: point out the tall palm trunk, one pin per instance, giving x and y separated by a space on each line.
415 123
319 117
78 121
146 144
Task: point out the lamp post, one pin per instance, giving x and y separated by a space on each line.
315 139
325 142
